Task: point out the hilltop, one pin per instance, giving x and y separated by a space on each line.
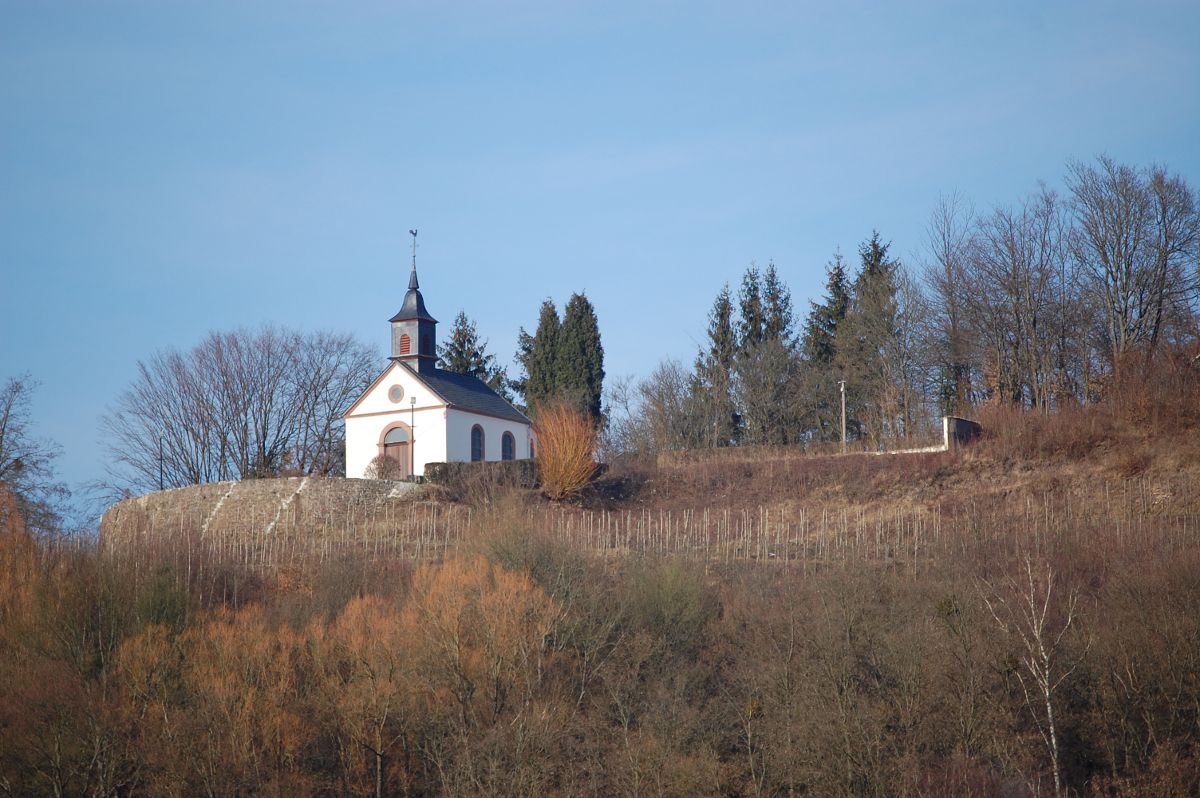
1076 473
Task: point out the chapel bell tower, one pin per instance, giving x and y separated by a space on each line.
414 331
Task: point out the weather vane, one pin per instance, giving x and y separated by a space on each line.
413 233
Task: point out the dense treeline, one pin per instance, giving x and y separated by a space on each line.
1037 305
521 666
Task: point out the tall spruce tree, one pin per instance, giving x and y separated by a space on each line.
537 355
768 382
712 384
818 341
751 321
465 353
866 345
722 341
818 349
524 351
766 366
579 365
778 318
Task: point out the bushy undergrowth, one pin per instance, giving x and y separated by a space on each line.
1147 403
522 665
750 483
482 483
1041 633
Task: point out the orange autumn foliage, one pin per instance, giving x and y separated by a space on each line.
478 631
566 446
362 686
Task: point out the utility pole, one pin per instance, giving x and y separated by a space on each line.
412 425
842 385
160 463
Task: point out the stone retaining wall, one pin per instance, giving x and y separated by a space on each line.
251 507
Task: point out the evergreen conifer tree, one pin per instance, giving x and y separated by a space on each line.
766 365
722 342
712 387
465 353
777 307
751 324
818 349
818 342
538 355
579 365
866 343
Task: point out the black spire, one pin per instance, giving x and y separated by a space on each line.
412 278
414 303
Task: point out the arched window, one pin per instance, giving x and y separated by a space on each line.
405 344
508 446
476 443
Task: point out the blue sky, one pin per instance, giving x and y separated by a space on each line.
170 168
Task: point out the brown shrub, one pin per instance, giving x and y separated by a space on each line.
1170 775
1016 433
1134 461
384 467
1150 398
566 443
1158 394
481 484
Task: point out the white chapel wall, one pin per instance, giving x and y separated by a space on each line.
376 411
441 434
458 433
364 432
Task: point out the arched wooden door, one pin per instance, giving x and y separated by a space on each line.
396 446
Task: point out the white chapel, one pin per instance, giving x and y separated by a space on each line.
416 413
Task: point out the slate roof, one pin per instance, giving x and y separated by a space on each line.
414 303
465 392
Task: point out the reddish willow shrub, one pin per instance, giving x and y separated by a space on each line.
566 442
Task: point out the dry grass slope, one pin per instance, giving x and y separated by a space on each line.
1012 492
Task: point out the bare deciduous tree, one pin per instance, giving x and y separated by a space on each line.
1176 245
240 404
910 364
27 462
1135 234
1020 309
669 410
1031 611
948 240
